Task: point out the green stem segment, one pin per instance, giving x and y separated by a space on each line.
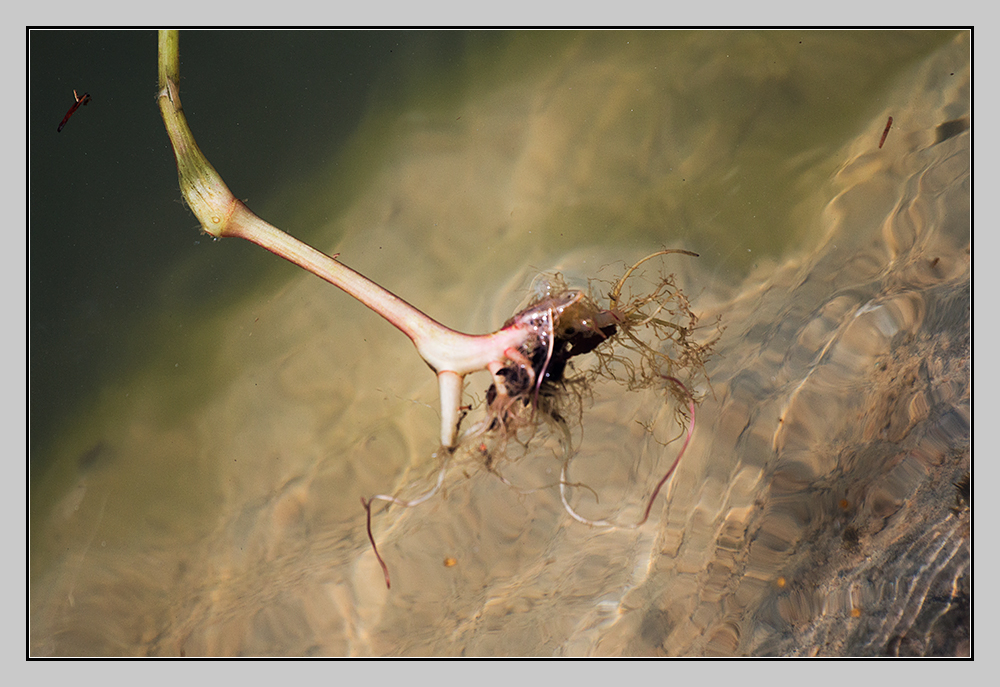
450 354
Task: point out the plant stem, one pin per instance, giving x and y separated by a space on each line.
450 354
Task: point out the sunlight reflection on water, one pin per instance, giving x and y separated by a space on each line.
815 507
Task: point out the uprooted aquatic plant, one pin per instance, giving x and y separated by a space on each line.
527 358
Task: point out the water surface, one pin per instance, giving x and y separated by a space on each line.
206 499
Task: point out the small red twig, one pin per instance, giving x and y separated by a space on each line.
368 509
885 133
80 100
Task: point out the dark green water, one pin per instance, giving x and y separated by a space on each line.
116 262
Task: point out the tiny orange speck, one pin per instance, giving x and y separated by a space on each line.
843 503
449 562
855 612
780 582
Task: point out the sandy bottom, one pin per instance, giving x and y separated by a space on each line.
816 509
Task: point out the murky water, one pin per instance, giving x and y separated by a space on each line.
212 504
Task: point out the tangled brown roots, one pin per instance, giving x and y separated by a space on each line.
640 340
